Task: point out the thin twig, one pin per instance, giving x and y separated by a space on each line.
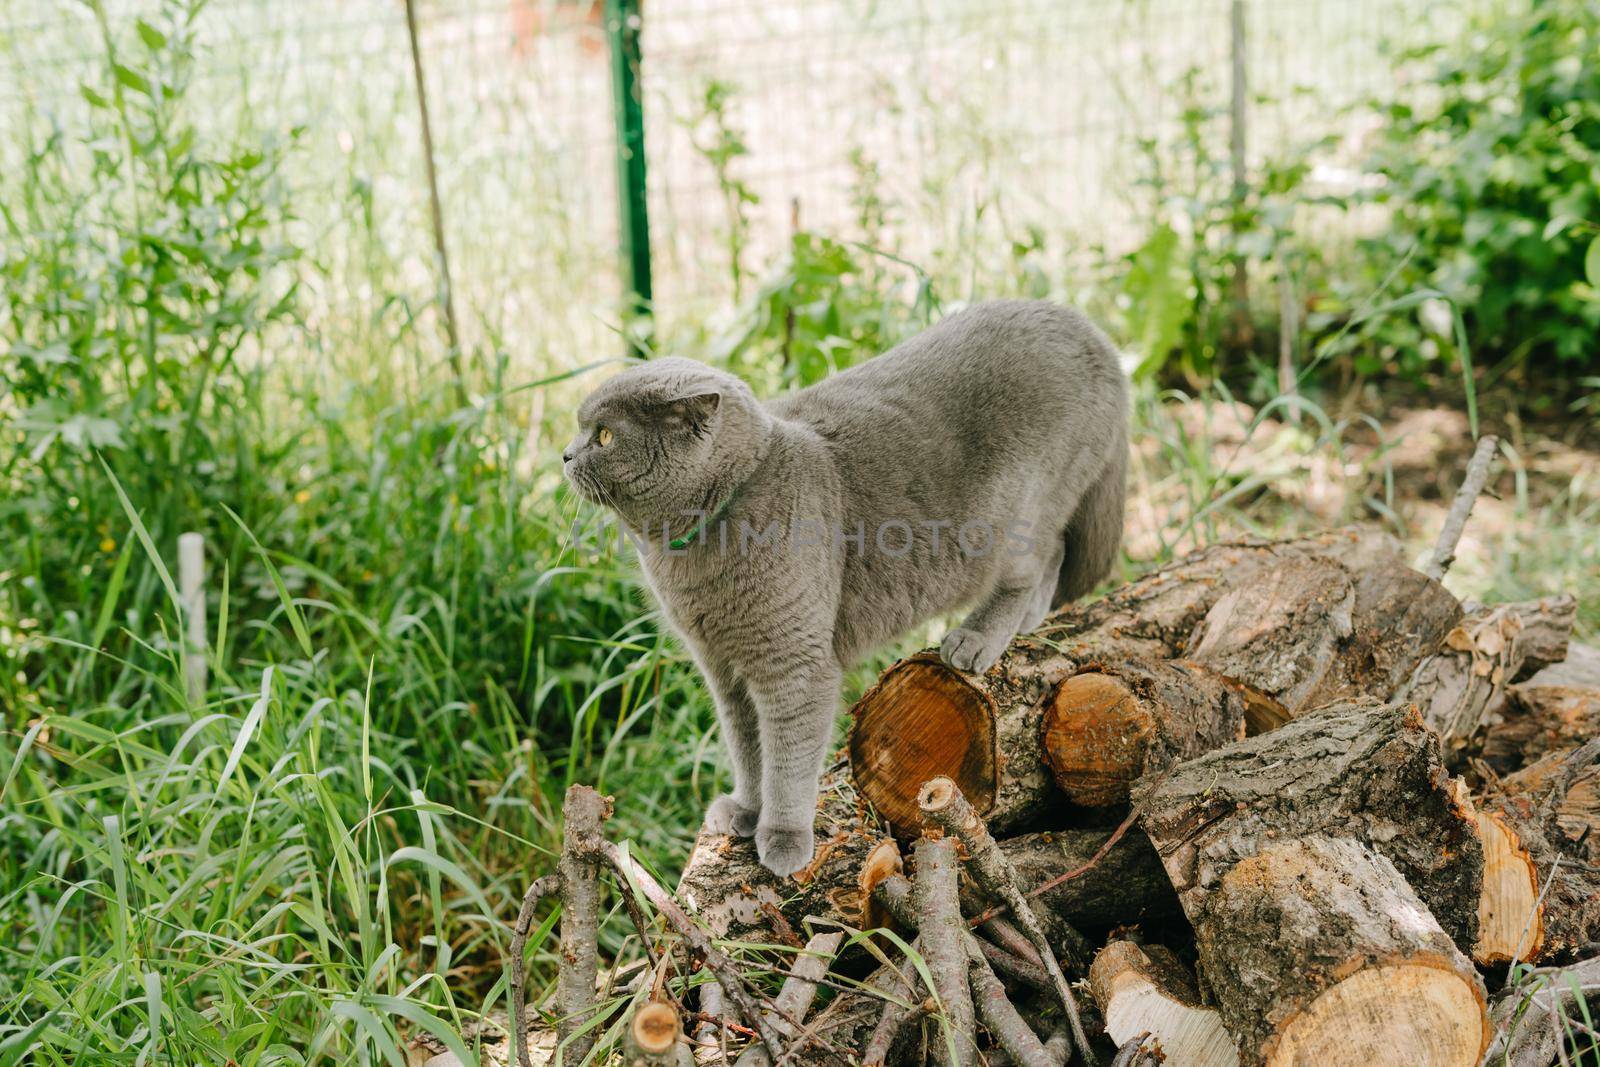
543 887
794 999
944 947
943 805
1444 550
1001 907
744 1002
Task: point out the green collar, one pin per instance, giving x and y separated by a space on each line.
678 543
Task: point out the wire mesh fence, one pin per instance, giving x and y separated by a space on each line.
949 129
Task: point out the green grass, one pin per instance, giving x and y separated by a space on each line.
213 319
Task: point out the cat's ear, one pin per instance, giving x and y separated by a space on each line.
694 409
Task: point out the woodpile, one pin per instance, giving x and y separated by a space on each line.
1283 803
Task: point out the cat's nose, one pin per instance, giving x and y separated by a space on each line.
568 452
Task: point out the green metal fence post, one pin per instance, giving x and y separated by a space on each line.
623 25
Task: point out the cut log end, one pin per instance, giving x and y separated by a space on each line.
1423 1007
1320 953
922 720
882 862
1096 735
655 1028
937 795
1510 926
1147 992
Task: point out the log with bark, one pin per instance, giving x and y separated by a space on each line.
726 886
1466 681
1288 824
1367 771
1313 631
1557 708
924 719
1282 634
1541 834
1111 722
1319 952
1146 991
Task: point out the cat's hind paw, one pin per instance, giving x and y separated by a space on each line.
783 852
727 816
969 650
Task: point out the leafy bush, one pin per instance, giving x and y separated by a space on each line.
1176 299
143 265
1492 178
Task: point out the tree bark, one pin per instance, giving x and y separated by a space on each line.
1110 723
655 1038
1146 990
1542 842
1557 708
1127 885
1464 681
923 719
1372 772
943 934
1312 631
584 812
726 886
1319 953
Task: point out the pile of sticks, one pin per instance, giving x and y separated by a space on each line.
1282 802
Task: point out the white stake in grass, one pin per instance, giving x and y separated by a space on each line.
192 596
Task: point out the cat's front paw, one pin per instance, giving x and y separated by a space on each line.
727 816
969 650
783 852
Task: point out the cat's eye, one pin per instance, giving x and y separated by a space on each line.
602 436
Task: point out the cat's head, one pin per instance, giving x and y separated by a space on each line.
664 439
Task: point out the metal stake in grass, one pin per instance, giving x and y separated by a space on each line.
192 597
446 291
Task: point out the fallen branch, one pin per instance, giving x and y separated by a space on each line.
1444 550
897 1015
655 1037
944 948
794 999
943 806
584 812
744 1002
549 885
1000 1017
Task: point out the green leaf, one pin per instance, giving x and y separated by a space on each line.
94 98
130 78
1591 263
153 38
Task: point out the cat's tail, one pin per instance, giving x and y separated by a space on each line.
1094 535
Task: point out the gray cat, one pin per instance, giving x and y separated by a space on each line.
981 464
